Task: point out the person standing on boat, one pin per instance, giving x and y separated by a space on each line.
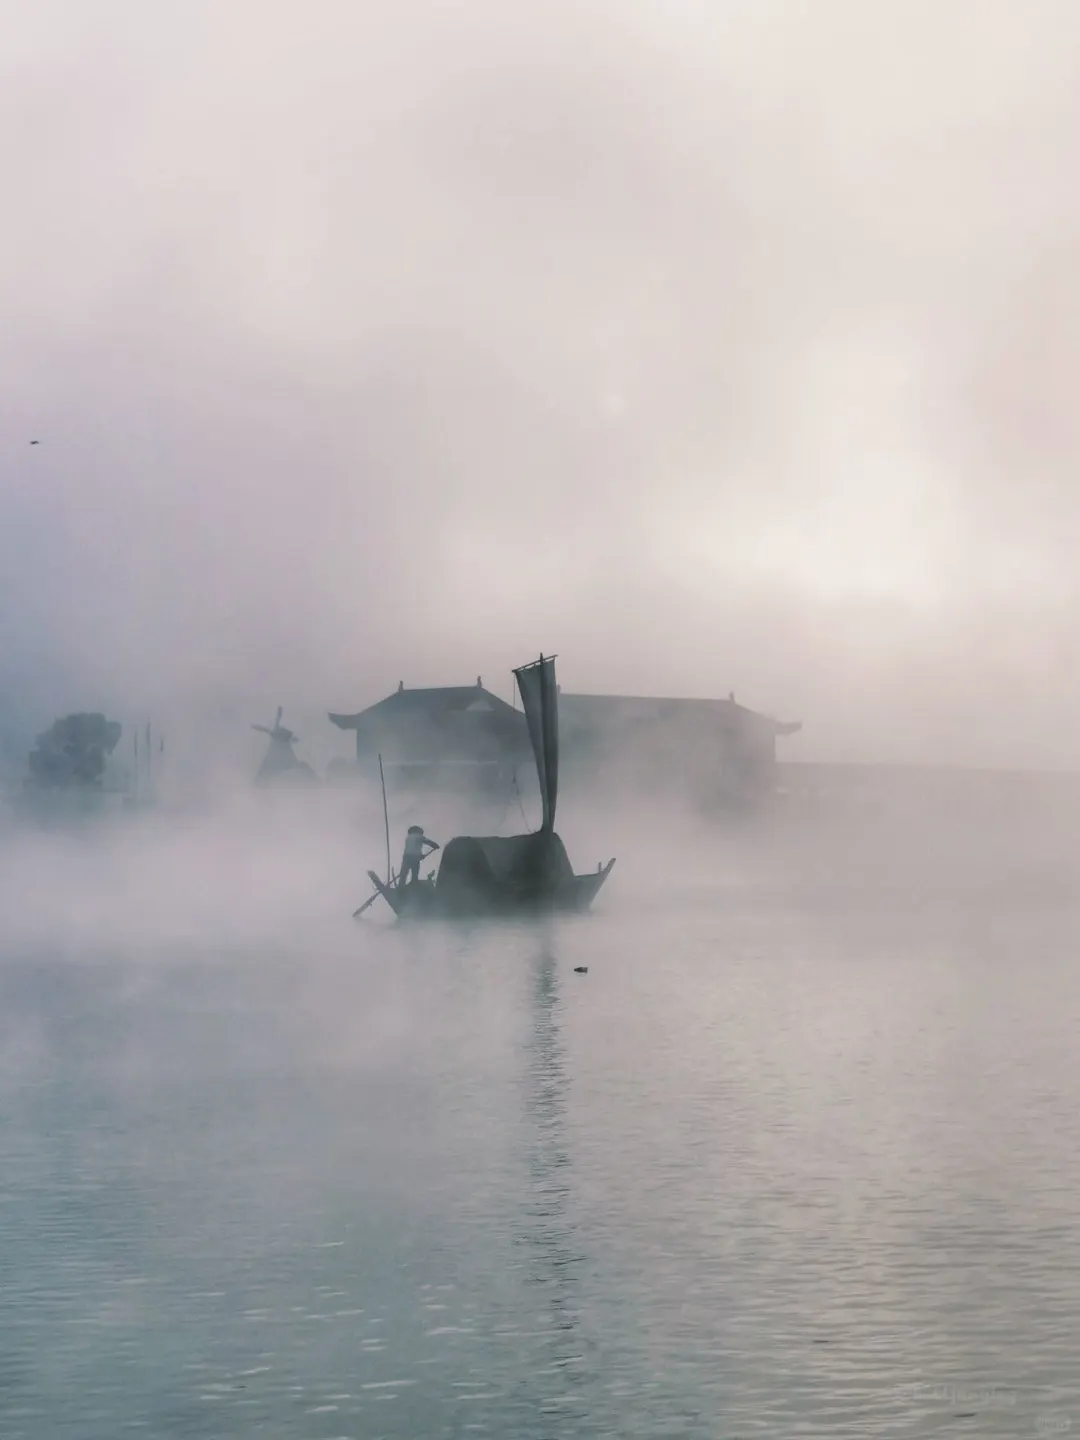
417 845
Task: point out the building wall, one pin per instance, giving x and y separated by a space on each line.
461 738
707 751
712 751
423 738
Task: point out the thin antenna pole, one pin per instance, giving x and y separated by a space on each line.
386 818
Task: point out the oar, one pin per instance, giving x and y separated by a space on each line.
357 913
371 901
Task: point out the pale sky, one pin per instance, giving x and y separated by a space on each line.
715 346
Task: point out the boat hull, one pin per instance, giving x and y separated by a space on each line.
422 899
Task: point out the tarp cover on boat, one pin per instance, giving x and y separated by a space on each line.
498 866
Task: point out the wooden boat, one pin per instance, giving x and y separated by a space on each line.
508 874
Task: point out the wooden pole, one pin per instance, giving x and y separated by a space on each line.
386 818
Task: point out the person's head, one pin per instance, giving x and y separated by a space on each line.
416 829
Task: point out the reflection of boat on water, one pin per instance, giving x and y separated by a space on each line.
497 874
546 1226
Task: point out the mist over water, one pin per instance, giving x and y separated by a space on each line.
716 348
795 1153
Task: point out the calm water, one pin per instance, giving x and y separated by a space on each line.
798 1156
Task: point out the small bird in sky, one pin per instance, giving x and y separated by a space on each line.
35 442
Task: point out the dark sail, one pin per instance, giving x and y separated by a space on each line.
540 699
